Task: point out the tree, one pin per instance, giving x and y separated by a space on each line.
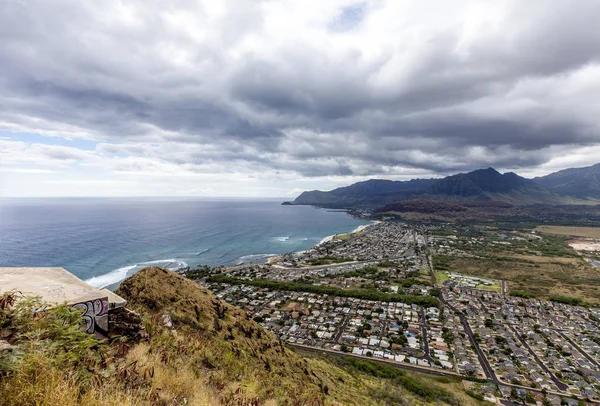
514 394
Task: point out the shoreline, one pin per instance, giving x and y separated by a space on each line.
116 276
357 230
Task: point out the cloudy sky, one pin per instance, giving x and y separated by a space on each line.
272 97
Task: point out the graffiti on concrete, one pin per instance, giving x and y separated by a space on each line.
95 316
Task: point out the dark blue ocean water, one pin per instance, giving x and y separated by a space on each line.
104 240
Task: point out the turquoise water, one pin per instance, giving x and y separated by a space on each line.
104 240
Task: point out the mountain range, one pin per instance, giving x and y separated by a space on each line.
479 187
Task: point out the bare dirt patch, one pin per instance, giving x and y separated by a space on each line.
585 245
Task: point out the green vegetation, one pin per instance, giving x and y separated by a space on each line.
534 266
328 260
521 293
573 301
475 395
427 301
422 389
199 273
366 272
441 263
441 277
54 362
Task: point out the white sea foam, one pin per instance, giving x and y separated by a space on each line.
360 228
252 257
282 239
356 230
326 239
203 251
111 277
119 274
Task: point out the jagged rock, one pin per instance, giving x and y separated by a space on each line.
125 322
5 346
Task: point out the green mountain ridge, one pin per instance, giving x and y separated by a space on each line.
476 186
577 182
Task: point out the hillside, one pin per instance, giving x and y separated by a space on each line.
196 350
480 185
577 182
372 191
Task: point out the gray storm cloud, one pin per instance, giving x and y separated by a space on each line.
349 88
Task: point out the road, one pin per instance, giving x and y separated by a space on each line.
401 365
487 368
261 308
558 383
317 267
485 309
581 350
425 370
341 331
423 325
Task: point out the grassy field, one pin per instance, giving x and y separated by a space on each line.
496 287
593 232
347 236
441 277
536 276
542 265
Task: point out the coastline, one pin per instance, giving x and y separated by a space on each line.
113 278
277 258
357 230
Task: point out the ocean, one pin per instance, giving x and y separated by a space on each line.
103 240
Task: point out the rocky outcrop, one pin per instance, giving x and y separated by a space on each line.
125 322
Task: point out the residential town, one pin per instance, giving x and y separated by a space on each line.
419 317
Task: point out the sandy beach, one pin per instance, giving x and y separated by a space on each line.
355 231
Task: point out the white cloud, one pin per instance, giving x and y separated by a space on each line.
264 97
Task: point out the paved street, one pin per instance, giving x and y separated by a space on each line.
558 383
578 348
341 330
487 368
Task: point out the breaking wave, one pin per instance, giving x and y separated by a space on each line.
119 274
254 258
